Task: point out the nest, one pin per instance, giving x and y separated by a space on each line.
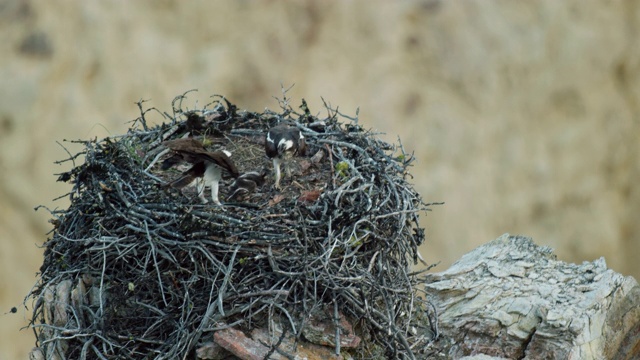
133 269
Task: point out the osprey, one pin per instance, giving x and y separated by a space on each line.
208 166
281 144
246 183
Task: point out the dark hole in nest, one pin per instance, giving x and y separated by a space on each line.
136 270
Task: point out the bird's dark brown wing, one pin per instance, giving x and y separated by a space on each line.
196 171
171 161
185 144
184 150
302 147
221 159
270 146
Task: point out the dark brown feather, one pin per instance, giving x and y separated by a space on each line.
192 151
219 158
196 171
184 144
184 150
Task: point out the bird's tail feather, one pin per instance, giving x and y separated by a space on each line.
182 181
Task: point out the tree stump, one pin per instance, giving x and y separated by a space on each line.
513 299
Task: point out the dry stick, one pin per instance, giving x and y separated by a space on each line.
276 268
330 151
155 159
411 301
100 293
71 157
343 143
276 346
336 321
121 193
85 348
396 333
155 263
434 323
260 293
219 303
98 353
225 281
339 190
286 313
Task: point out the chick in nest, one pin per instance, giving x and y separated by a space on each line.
246 184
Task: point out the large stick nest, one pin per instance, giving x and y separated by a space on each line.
134 269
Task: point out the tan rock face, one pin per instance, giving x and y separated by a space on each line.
525 117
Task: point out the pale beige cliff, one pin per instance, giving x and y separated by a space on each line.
524 116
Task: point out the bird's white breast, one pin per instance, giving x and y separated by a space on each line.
285 145
213 172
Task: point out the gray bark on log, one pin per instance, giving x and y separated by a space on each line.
513 299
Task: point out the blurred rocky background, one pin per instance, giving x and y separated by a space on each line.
524 116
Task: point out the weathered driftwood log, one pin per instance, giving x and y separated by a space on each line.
513 299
